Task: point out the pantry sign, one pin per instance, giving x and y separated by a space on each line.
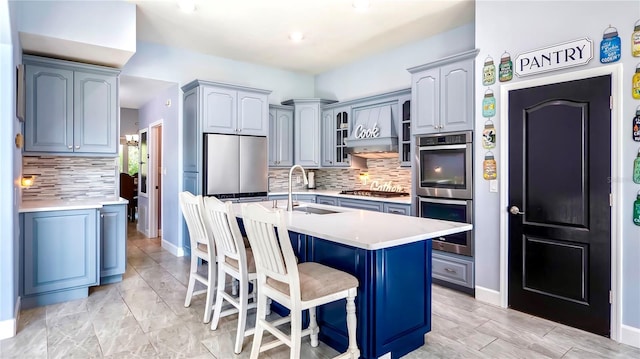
569 54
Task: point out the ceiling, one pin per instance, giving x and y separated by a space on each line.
257 31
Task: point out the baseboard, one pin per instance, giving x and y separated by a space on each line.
9 327
630 335
172 248
488 296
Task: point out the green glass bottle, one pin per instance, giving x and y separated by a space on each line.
636 210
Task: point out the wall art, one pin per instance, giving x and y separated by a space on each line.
635 83
636 210
610 45
488 104
635 40
489 135
489 167
636 168
636 125
505 69
488 72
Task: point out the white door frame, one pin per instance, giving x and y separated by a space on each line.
616 172
152 176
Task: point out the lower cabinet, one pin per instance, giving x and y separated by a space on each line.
113 242
295 197
332 201
59 255
396 208
360 204
453 270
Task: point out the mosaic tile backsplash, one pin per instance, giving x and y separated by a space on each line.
386 173
69 178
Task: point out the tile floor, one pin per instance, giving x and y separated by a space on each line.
144 317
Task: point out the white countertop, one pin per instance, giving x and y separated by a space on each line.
65 205
365 229
336 193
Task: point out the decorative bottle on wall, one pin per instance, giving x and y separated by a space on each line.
488 72
489 135
505 68
636 168
636 210
610 46
488 104
635 83
635 40
489 167
636 125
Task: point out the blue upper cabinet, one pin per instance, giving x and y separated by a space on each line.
442 95
231 109
71 108
280 136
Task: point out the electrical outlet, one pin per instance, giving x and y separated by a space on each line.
298 179
493 186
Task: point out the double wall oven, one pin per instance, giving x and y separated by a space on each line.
444 185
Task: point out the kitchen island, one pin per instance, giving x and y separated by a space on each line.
391 257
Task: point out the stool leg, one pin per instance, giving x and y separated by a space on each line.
296 331
313 325
192 279
352 323
242 315
222 276
259 330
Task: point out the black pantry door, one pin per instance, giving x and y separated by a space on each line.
560 217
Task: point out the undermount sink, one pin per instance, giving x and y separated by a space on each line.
313 210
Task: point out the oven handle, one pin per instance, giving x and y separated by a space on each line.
443 201
443 147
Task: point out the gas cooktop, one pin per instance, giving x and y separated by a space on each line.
370 193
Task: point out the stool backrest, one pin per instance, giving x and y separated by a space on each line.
192 210
224 227
272 250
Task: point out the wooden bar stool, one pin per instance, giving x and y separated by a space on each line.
295 286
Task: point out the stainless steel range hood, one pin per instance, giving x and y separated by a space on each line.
373 133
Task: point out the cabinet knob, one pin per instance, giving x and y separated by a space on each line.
70 147
102 216
77 147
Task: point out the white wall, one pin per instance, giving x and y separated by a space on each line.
520 26
387 71
128 121
182 66
11 160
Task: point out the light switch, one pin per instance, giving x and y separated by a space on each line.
493 186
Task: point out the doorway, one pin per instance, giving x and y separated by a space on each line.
155 171
559 258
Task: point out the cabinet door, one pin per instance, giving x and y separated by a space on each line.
95 111
341 127
307 135
49 111
273 138
284 120
426 101
456 96
192 140
252 115
113 241
328 146
361 204
396 208
404 131
332 201
60 250
219 110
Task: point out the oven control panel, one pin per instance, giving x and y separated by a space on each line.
449 139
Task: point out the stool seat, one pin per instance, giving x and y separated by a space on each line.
317 281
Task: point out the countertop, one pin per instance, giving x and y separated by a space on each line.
65 205
364 229
336 193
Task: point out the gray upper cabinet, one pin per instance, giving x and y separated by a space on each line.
404 131
233 109
307 130
70 107
442 95
335 129
280 136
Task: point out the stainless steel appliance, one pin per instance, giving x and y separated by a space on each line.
235 167
444 165
449 210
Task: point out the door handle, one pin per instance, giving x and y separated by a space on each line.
515 210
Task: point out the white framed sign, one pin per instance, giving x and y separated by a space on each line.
568 54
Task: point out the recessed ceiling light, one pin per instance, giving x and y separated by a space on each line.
361 5
296 36
187 6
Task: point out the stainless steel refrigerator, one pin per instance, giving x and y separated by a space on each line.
235 166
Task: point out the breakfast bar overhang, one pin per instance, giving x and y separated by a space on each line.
391 257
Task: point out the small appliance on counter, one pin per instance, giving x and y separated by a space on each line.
311 176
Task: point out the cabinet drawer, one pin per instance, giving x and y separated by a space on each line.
368 205
332 201
404 209
453 269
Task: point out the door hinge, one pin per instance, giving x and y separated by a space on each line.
610 199
610 102
610 297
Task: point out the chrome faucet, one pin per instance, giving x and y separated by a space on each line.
304 175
